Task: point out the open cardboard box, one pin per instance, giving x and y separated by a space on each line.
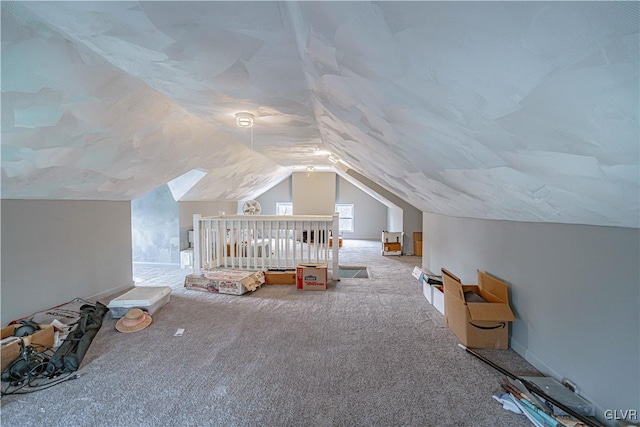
478 324
39 340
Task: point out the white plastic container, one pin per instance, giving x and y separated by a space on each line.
147 298
427 291
437 299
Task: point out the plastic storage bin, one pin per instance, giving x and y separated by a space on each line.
147 298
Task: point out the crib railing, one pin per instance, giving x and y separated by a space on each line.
262 242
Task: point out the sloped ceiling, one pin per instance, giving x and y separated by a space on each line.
502 110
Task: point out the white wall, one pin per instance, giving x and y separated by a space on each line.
55 251
370 215
411 217
575 290
394 219
280 193
186 210
313 193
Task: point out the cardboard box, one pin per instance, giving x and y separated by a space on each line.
312 277
280 277
43 337
417 243
236 282
482 324
417 248
231 287
233 282
391 248
200 283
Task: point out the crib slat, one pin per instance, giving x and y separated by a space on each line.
240 242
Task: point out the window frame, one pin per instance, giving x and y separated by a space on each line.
287 205
352 217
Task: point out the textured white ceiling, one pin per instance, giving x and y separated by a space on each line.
522 111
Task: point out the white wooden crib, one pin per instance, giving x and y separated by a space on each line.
261 242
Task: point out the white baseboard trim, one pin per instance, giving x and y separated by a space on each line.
534 360
110 292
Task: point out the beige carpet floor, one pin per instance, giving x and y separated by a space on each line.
367 352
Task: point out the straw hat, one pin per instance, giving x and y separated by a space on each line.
133 321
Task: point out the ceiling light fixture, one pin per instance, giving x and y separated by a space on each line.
310 168
333 158
244 120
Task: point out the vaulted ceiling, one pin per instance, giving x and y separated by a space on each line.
523 111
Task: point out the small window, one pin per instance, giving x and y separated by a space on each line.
345 217
283 208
